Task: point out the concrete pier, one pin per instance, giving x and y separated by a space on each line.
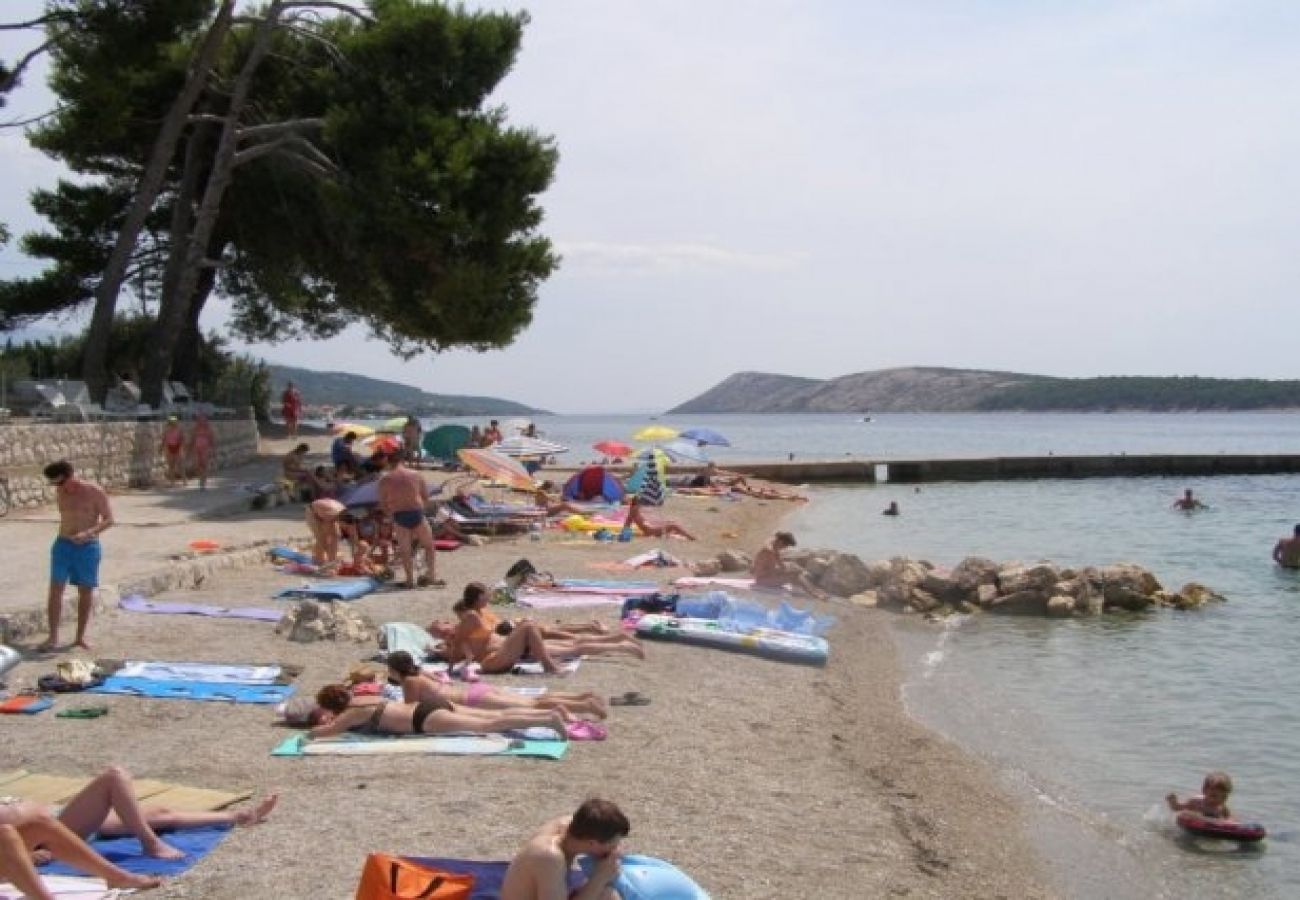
1002 468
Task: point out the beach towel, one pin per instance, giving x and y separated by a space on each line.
488 876
563 599
180 689
125 852
394 636
66 887
528 667
192 671
288 554
605 586
701 580
339 589
431 745
141 605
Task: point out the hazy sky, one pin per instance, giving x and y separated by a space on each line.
820 188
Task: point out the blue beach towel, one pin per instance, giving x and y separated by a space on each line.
340 589
125 852
193 690
488 876
291 555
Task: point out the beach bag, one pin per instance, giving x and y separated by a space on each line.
387 877
519 572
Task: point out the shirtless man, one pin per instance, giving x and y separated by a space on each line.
1188 503
540 870
1287 551
84 514
770 570
402 496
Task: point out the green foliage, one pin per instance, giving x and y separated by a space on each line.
242 382
1154 394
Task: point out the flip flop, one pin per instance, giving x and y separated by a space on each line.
83 712
630 698
586 731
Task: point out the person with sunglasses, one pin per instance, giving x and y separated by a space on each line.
84 514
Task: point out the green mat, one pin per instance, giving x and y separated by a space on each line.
433 745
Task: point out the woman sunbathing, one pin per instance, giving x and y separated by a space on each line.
18 867
475 638
417 686
477 597
108 806
659 529
375 715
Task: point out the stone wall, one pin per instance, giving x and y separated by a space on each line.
111 454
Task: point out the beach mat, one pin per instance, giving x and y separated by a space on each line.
565 599
215 673
434 745
701 581
528 667
606 586
25 704
141 605
178 689
125 852
488 876
339 589
54 789
47 789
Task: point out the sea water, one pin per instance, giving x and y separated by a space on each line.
1092 720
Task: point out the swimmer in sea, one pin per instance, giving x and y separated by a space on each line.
1188 503
1287 551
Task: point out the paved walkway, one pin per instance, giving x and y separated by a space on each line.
153 530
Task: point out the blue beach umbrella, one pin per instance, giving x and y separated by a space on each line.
704 436
681 450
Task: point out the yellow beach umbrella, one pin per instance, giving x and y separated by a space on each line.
655 433
358 430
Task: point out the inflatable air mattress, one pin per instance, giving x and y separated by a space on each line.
1222 829
649 878
767 642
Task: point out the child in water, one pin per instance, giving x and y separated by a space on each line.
1213 802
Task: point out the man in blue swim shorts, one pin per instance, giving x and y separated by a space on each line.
84 515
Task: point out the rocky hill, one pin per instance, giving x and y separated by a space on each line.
344 391
923 389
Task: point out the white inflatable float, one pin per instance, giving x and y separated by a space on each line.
768 642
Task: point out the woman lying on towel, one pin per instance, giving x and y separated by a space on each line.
107 806
417 686
476 638
375 715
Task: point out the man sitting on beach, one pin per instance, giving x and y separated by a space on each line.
540 870
84 515
402 496
770 570
1287 551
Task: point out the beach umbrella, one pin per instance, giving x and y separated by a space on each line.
496 467
364 494
680 450
649 480
526 446
358 430
704 436
394 425
655 433
514 426
443 441
612 448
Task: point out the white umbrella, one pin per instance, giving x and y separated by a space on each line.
685 450
526 446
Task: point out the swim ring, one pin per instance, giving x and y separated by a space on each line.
1222 829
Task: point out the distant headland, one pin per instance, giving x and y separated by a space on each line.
348 396
928 389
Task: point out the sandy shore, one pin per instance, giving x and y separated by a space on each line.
763 780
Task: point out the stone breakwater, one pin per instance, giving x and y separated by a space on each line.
114 455
977 584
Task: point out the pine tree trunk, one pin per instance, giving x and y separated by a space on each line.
95 362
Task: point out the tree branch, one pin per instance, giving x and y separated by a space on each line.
312 154
22 123
10 81
275 129
37 23
338 7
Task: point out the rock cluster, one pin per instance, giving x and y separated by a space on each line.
312 621
727 561
1009 587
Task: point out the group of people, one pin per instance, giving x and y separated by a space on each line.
198 446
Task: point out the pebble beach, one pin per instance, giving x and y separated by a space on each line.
758 778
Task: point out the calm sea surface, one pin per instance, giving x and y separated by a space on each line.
1093 720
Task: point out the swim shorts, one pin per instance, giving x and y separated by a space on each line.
408 518
75 563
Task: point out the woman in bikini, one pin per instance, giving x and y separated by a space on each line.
417 687
661 529
375 715
476 638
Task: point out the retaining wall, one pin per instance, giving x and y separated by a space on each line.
111 454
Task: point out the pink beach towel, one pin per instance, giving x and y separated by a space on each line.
564 599
700 581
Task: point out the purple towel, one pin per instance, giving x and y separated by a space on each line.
261 614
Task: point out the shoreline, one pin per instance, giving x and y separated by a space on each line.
736 763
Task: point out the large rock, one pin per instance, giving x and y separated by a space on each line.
731 561
844 575
1193 595
1021 603
1060 606
311 621
1015 578
974 571
923 601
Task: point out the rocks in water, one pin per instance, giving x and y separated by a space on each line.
1014 588
311 621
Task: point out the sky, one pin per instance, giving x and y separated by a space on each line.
821 188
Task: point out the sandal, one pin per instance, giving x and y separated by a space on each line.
630 698
82 712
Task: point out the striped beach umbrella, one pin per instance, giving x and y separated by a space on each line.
496 467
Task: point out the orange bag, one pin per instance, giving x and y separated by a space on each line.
387 877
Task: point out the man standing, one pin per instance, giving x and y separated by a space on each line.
84 515
540 870
402 496
291 408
